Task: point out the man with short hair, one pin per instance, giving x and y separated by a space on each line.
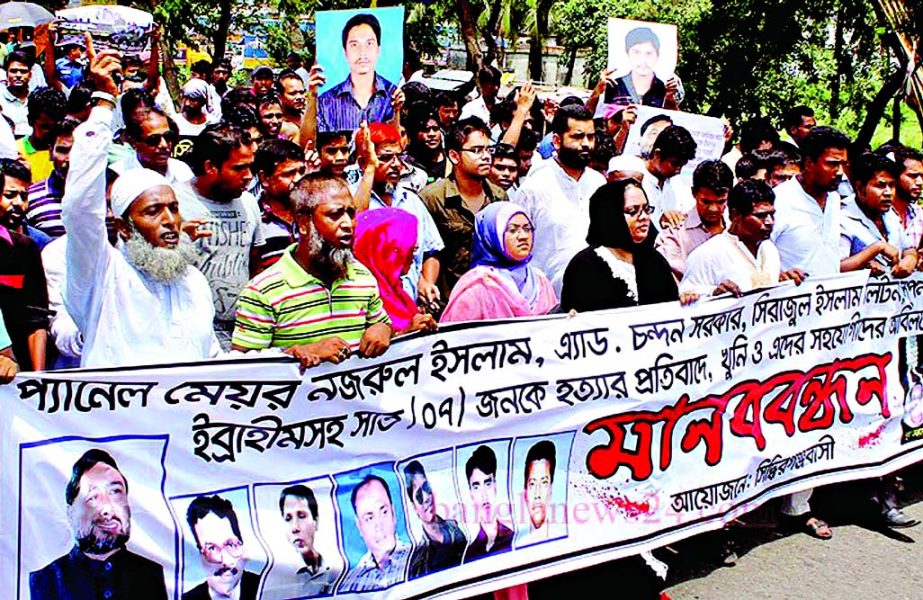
379 188
641 85
742 258
504 167
220 76
364 95
671 199
711 182
443 544
426 148
383 565
47 108
908 191
781 165
298 506
291 90
537 489
525 153
798 123
14 94
488 80
316 301
454 200
217 536
294 62
493 536
222 161
14 200
99 565
261 81
202 69
446 105
149 133
45 196
279 164
807 234
269 108
333 151
871 236
556 197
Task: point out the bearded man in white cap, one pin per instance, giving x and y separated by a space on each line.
142 302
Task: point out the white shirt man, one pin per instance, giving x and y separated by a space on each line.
127 316
725 258
807 237
559 205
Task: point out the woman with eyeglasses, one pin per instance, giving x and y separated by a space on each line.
620 268
501 283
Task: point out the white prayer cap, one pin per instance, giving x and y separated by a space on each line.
131 184
627 162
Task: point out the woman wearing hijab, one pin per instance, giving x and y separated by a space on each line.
621 267
385 242
501 282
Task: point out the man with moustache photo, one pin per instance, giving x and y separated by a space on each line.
298 506
217 535
99 565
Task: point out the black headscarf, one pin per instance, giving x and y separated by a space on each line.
609 228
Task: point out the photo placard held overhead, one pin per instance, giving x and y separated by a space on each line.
642 57
362 54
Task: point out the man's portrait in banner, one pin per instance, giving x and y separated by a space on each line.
439 542
298 522
99 562
539 480
643 57
374 532
483 471
361 52
218 567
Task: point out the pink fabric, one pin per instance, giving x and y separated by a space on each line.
385 242
483 293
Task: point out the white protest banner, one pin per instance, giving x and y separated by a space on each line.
565 441
708 133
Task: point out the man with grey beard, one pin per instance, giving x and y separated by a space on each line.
143 302
99 565
316 302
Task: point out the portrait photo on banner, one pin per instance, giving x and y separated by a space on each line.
298 523
83 499
374 531
538 481
433 510
222 556
482 475
362 55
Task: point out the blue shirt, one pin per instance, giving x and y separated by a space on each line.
337 109
70 73
858 232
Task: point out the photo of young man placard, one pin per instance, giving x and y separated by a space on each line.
642 58
361 52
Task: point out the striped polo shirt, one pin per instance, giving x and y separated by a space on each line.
286 306
45 205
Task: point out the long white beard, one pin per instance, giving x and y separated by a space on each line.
330 259
164 265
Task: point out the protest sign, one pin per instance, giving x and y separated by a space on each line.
708 133
357 48
576 440
117 27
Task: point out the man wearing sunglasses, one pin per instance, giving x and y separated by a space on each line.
443 543
153 138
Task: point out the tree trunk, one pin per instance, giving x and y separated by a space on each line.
876 108
490 31
896 119
469 33
221 34
838 70
539 35
571 61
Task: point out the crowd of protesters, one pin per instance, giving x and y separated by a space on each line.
135 230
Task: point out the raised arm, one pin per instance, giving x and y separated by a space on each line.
308 132
84 202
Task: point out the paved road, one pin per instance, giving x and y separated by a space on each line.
861 561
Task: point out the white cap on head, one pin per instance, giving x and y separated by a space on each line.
627 162
131 184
